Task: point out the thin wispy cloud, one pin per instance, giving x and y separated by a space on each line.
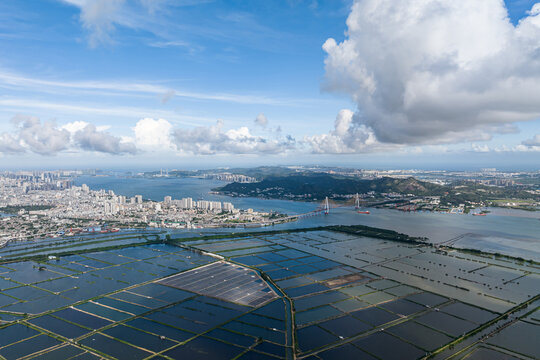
190 48
15 81
102 18
24 105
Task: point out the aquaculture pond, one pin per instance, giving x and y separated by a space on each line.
51 246
313 294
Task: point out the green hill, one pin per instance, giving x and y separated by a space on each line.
318 186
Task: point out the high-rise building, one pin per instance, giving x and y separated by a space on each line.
215 205
202 204
167 200
111 208
227 206
138 199
186 203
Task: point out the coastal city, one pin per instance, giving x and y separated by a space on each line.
47 204
43 204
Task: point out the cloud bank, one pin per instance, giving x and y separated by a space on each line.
41 138
148 135
534 142
47 138
432 72
91 139
213 139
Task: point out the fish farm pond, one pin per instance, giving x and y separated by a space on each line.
312 294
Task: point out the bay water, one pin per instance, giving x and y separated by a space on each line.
506 231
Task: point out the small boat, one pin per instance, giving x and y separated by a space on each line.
479 214
363 212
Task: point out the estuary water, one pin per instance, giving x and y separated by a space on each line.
199 189
511 232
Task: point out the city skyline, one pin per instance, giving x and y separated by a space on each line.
139 84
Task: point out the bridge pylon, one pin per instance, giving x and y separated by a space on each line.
326 206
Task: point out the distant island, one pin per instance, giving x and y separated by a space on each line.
385 190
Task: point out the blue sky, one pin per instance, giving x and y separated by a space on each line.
77 77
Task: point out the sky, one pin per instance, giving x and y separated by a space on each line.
205 83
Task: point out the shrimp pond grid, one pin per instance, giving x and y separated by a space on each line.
313 294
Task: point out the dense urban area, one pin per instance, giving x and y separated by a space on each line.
46 204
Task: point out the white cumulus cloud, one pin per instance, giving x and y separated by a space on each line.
480 148
91 139
47 138
434 71
10 145
74 126
153 134
213 139
346 138
41 138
